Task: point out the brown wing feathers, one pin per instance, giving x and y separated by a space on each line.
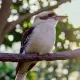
25 35
25 38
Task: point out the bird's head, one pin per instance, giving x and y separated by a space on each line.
47 16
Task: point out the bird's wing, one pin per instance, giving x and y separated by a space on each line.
25 38
24 41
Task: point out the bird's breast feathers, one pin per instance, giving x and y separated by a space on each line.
42 39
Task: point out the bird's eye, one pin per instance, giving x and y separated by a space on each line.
47 16
44 17
51 14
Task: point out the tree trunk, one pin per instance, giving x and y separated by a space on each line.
4 14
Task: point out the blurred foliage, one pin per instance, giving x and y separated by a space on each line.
67 38
7 71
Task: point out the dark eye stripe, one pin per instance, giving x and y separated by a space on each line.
48 16
52 14
44 18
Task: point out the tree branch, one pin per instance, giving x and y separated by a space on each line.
4 13
26 16
35 57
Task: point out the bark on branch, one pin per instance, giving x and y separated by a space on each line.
26 16
35 57
4 13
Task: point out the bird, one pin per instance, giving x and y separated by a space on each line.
40 39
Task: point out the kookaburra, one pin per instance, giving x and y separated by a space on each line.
40 38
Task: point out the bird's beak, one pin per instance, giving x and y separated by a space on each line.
59 18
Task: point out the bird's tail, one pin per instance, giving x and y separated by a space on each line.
22 70
20 76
